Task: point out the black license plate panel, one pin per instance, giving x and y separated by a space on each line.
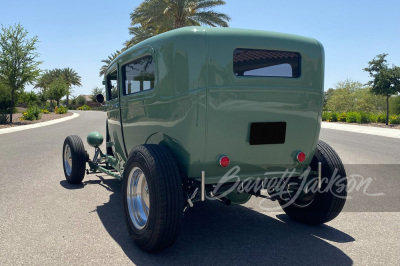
267 133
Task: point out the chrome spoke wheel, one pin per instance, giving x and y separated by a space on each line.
138 198
67 160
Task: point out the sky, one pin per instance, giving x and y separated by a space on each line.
79 34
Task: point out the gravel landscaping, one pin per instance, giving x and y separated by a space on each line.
45 117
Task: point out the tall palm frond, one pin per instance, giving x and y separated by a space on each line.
140 34
46 78
153 17
108 61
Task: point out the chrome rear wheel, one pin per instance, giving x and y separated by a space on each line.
153 197
138 198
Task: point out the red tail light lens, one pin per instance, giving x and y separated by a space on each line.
224 161
301 157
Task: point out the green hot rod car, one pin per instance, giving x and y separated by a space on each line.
200 114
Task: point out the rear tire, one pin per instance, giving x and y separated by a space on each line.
325 205
74 159
153 197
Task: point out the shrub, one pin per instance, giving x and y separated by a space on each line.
394 105
33 113
28 98
45 111
342 117
332 117
381 118
81 100
325 116
362 118
394 119
85 107
50 108
60 110
4 119
351 117
373 118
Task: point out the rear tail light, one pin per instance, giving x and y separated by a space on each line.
224 161
301 157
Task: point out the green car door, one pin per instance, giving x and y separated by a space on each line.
114 114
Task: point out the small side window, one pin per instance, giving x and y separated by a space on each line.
138 75
266 63
112 85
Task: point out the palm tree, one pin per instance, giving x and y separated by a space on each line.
153 17
71 78
108 61
46 78
140 34
44 82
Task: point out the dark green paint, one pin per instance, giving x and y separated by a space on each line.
95 139
200 109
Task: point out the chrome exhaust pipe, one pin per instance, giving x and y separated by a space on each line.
203 185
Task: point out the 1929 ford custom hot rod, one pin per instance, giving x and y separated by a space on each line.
200 114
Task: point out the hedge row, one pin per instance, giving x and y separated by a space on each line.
359 117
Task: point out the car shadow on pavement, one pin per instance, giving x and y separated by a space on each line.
216 234
65 184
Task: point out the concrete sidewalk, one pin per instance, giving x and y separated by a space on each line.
377 131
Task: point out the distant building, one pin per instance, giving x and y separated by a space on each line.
90 102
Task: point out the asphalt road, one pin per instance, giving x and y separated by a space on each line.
46 221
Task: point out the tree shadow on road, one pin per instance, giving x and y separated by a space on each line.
215 234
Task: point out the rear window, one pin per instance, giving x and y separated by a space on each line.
266 63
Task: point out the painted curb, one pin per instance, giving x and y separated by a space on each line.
377 131
37 125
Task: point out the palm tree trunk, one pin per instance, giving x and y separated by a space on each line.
179 23
12 105
67 100
387 109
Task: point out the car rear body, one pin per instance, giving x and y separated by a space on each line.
213 93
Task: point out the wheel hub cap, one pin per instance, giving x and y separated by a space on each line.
67 160
138 198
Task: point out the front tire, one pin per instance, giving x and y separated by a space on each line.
327 202
153 197
74 159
